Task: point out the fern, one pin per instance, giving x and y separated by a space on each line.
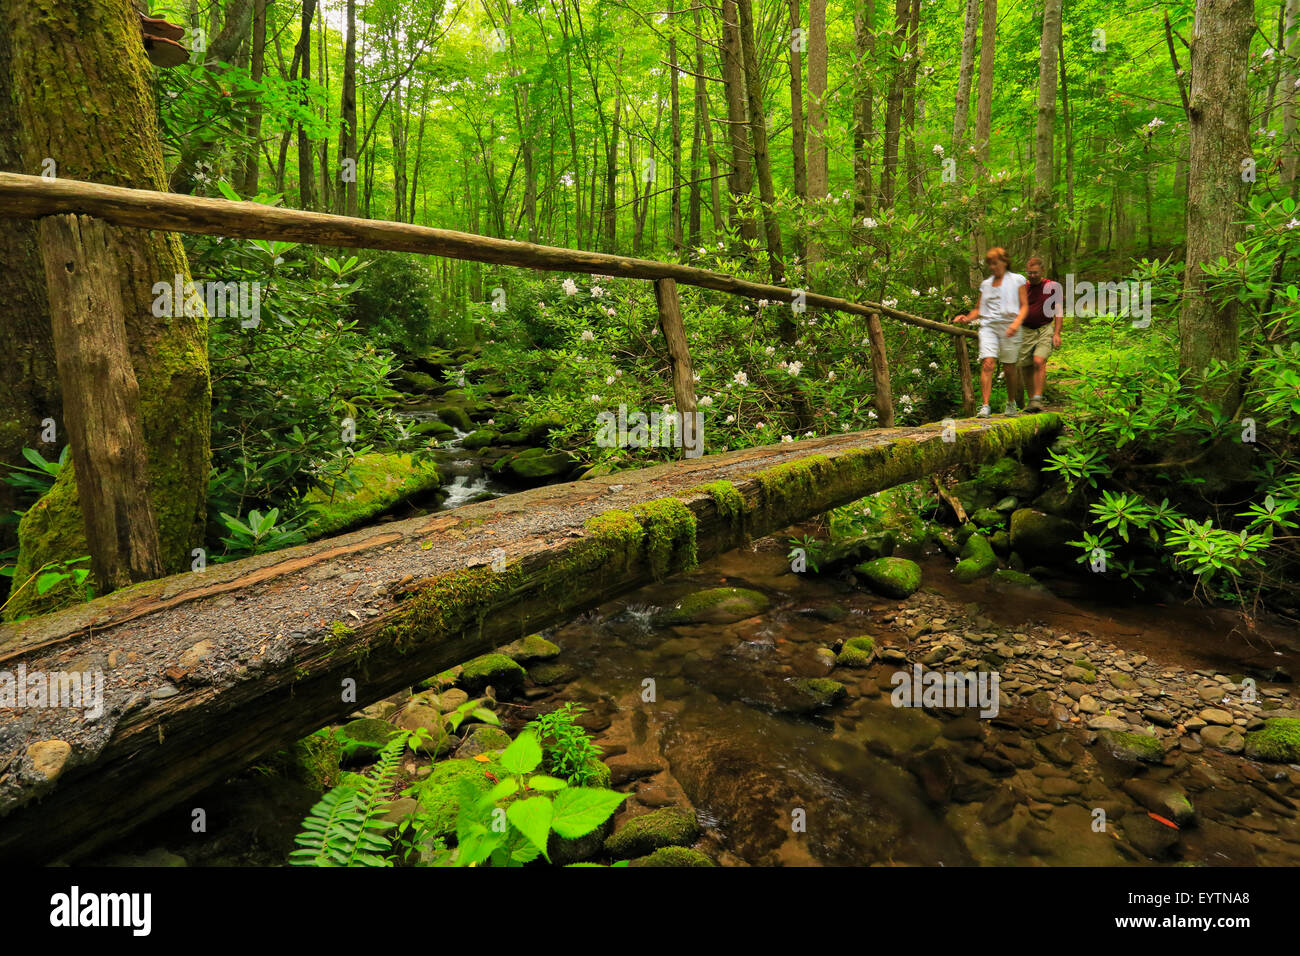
344 828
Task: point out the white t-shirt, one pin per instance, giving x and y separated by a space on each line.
1001 303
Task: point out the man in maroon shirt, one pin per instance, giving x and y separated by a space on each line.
1042 322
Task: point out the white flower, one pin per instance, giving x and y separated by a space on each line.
931 291
695 376
871 414
770 350
740 378
938 150
870 223
596 399
609 311
809 434
783 364
786 438
934 365
916 372
730 419
569 286
890 303
597 292
609 380
795 368
706 400
1293 223
915 293
588 335
830 376
703 251
905 399
763 303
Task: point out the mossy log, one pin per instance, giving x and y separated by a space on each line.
205 672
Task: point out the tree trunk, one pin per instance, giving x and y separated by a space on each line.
818 159
741 180
984 93
306 174
762 162
961 112
798 138
863 46
909 105
1219 141
93 99
346 197
249 179
675 207
1044 200
894 108
1290 96
101 400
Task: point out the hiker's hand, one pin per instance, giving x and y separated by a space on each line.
1056 340
961 318
1012 329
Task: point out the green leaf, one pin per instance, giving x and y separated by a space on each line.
524 753
579 810
532 817
544 783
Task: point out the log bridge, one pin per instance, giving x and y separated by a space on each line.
205 672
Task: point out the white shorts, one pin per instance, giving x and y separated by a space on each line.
995 343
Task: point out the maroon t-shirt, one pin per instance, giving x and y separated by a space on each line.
1039 311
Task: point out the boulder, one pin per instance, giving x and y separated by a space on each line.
892 577
536 466
1278 740
674 856
716 606
530 649
491 670
977 559
1040 538
857 652
641 836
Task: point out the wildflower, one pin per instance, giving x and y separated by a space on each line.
706 400
569 286
740 378
830 376
786 438
588 335
794 369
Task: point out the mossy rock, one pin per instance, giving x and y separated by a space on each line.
491 670
716 606
598 470
481 739
816 693
987 518
1007 505
1133 746
974 495
1005 577
857 652
418 381
864 547
360 739
479 438
892 577
1001 542
674 856
1278 740
512 438
549 673
456 416
1006 476
641 836
536 466
1057 499
384 479
977 559
432 427
540 428
1040 538
565 851
530 649
439 793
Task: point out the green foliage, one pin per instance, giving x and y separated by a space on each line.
260 533
570 751
393 309
344 828
811 549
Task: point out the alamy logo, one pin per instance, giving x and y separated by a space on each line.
75 908
242 300
83 690
947 689
656 430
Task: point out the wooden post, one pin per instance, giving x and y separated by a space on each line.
884 397
100 399
963 370
679 357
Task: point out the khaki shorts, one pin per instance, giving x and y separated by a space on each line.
1035 343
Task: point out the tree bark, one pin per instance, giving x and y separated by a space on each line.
818 159
1219 139
257 68
961 111
741 181
90 103
346 196
894 109
1044 199
306 171
863 131
1290 97
762 162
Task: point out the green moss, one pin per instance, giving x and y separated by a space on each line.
384 480
819 691
1278 740
977 559
716 606
728 499
440 793
450 602
317 759
359 740
495 670
532 648
51 530
674 856
669 826
857 652
892 577
1133 746
669 528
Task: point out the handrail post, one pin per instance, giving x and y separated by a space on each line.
884 397
963 371
679 357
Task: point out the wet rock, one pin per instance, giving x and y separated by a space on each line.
1150 837
1278 741
481 739
536 466
530 649
674 856
1158 717
1215 715
866 547
857 652
491 670
1127 745
716 606
551 673
977 559
48 757
1041 538
640 836
1166 800
892 577
818 692
1222 738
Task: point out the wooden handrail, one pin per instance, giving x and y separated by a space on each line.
33 197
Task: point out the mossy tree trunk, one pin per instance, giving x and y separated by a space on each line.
88 106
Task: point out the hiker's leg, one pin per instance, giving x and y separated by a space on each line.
1012 371
1040 375
986 377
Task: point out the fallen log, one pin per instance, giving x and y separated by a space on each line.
205 672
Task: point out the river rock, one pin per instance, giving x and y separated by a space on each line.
530 649
1278 741
640 836
1040 538
1222 738
1215 715
977 559
49 756
491 670
1161 798
892 577
716 606
1133 746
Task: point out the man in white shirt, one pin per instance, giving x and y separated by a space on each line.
1002 301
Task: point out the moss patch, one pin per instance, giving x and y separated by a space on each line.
892 577
674 856
1278 740
385 479
857 652
716 606
669 826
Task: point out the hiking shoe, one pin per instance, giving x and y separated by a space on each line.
983 412
1035 404
1011 409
